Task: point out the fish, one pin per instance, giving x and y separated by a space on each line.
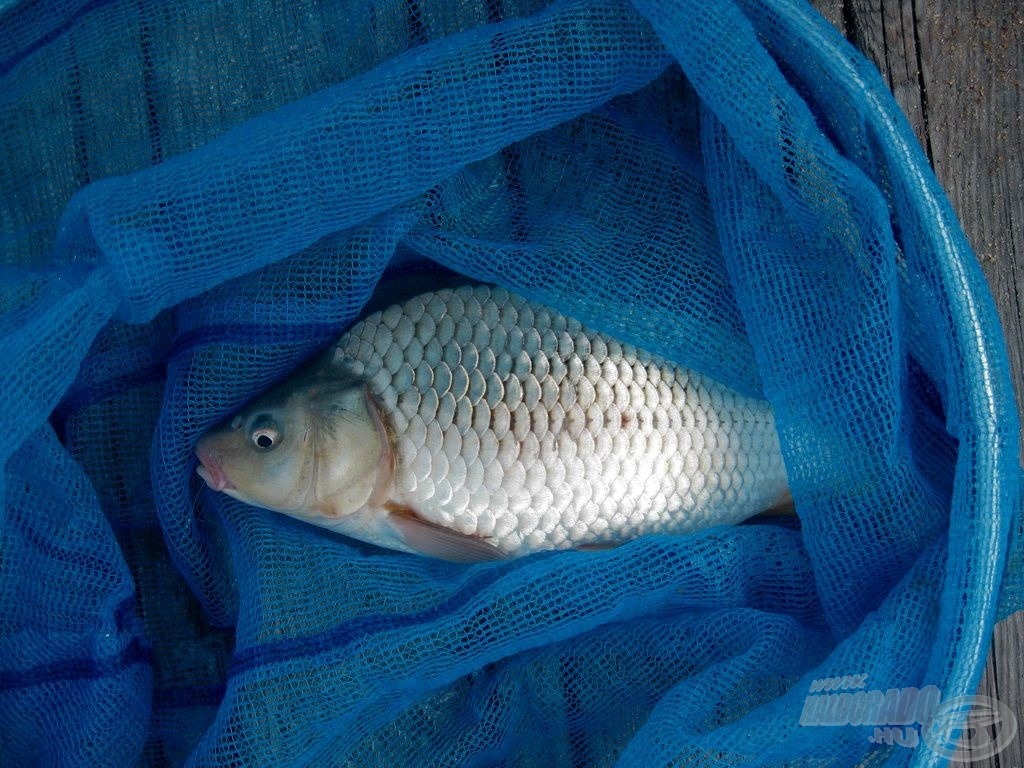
471 424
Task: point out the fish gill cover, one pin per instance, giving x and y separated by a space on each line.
197 197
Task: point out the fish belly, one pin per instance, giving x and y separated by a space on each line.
516 424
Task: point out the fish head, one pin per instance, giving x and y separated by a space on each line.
314 448
263 455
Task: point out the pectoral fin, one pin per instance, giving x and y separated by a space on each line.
437 541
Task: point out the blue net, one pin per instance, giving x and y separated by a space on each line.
197 197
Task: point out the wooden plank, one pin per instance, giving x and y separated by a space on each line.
37 111
954 66
113 132
884 30
975 105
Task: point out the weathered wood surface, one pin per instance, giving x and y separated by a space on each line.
956 69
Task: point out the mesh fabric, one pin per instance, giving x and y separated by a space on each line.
199 196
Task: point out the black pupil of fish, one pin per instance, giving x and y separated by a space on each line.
264 441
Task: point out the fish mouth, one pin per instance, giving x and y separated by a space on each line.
212 473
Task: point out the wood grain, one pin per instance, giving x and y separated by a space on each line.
955 67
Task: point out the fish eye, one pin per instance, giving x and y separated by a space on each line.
264 438
264 433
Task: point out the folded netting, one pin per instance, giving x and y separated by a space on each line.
197 197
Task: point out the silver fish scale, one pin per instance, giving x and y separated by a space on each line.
519 425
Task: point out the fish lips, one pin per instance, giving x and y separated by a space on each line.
210 470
